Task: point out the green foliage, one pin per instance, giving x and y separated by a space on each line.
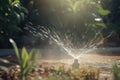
116 72
12 13
26 60
102 11
113 19
101 24
76 19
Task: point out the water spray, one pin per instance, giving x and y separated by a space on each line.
65 43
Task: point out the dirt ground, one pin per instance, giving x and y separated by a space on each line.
85 59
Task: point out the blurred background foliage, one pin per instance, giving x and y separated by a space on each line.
65 16
12 13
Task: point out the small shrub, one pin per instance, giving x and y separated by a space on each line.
26 59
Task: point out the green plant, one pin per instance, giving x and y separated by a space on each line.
116 72
26 59
12 15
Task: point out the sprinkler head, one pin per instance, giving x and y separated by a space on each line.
76 60
75 64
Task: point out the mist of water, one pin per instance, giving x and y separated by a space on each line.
65 42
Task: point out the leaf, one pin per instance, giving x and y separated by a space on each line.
30 54
24 10
10 2
17 8
100 24
15 2
22 16
15 48
76 5
102 11
17 17
25 57
29 68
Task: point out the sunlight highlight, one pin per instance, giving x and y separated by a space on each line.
74 4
